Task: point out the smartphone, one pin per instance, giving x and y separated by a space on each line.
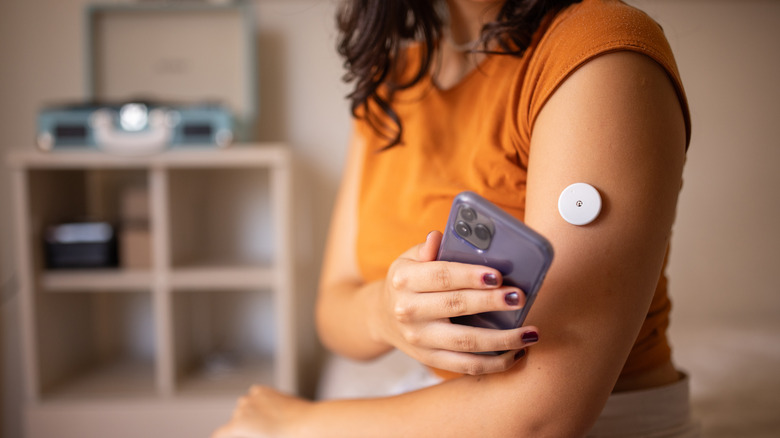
480 233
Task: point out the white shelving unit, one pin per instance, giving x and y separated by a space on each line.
163 350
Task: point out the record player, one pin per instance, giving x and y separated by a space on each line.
158 77
134 127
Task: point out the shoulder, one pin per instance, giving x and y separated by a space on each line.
591 25
614 14
585 31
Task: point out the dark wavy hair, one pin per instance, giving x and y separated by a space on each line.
374 32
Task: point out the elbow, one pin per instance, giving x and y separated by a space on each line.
557 417
334 332
571 422
324 323
336 344
328 334
326 309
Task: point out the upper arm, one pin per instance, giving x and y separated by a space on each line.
340 277
340 261
617 125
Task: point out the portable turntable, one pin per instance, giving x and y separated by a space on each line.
133 127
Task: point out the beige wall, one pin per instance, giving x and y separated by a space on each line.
726 245
725 248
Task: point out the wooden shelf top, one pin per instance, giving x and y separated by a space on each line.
239 155
92 280
181 279
230 278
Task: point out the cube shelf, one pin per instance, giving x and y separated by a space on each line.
198 311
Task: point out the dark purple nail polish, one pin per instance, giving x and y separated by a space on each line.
530 337
512 298
490 279
519 355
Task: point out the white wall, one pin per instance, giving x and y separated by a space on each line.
726 248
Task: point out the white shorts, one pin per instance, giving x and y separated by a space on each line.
662 412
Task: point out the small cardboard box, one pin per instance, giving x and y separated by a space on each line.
134 205
135 247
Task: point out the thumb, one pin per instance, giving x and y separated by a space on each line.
428 250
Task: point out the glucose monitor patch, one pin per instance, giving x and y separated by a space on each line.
579 204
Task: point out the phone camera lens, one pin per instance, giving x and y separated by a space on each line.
468 214
463 229
482 232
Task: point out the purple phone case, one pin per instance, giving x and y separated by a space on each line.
518 252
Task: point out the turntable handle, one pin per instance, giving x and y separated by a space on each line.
155 139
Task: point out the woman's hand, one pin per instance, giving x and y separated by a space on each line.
419 297
264 413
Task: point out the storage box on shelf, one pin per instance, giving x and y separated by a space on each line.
210 313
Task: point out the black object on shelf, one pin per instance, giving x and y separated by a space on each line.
77 245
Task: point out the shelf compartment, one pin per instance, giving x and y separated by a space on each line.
225 340
220 217
78 195
88 341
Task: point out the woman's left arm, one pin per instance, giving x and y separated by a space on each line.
616 124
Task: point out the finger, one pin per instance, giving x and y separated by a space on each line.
475 364
428 251
467 339
425 251
445 305
444 276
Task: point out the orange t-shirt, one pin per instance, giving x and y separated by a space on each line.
477 135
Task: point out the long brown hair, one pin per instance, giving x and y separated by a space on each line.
373 34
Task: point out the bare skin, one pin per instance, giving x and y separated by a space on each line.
593 305
466 20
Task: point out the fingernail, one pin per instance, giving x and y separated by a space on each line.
512 298
519 355
490 279
530 337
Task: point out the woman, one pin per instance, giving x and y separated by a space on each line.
514 100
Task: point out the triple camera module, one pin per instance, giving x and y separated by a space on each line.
475 230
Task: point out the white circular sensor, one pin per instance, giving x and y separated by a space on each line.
579 204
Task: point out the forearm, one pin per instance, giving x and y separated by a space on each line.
433 412
506 405
346 321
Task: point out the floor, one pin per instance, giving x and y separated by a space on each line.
735 377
